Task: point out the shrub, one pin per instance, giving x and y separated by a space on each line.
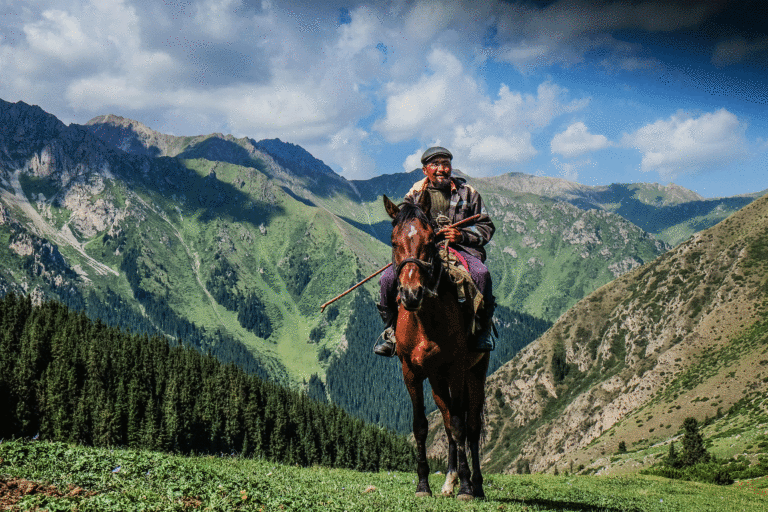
709 473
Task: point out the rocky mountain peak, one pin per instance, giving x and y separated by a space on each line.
25 128
295 157
130 136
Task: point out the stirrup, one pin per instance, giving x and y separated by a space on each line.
485 341
388 346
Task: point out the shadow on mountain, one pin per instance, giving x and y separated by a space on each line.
125 138
381 231
221 150
394 186
313 173
300 199
210 197
656 219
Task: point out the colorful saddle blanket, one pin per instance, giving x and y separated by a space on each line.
456 267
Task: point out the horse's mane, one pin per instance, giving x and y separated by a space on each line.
410 211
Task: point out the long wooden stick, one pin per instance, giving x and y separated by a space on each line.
382 269
457 224
385 267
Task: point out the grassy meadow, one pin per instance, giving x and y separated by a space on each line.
58 476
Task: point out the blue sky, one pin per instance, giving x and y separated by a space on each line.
593 92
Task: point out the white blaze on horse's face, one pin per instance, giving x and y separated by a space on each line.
412 232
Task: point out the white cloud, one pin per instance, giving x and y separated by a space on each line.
500 134
331 76
576 140
59 35
683 144
346 150
218 18
493 149
485 134
569 170
413 161
427 106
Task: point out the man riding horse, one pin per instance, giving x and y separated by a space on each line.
452 200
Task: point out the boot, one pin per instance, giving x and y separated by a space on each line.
484 340
385 344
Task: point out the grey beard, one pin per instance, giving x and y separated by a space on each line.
441 183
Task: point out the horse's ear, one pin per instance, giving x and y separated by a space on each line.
425 202
392 209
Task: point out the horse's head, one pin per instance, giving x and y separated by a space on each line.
414 253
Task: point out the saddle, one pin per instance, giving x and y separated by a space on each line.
455 266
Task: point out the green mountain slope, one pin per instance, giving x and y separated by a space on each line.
682 336
232 244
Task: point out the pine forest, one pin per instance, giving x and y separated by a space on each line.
64 377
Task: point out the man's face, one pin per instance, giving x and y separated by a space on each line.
438 172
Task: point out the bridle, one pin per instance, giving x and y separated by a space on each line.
433 268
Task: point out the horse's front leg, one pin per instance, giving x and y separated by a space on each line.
442 396
415 386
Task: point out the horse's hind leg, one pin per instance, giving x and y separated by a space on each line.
415 388
476 392
459 433
442 396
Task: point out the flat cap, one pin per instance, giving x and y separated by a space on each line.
433 152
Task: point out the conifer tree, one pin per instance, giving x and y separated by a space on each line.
86 382
693 451
673 460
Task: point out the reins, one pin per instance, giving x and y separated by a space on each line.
429 268
385 267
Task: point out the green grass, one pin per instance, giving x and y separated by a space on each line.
154 481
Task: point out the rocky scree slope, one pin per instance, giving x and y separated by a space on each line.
684 335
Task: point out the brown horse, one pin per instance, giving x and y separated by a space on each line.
432 343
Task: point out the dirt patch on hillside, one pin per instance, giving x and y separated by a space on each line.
14 489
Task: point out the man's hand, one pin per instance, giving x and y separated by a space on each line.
453 235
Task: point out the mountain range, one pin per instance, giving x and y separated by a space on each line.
685 335
231 245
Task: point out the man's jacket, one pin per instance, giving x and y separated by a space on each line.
465 202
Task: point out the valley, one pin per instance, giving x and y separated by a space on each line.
611 295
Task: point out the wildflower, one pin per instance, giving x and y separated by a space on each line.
36 436
117 469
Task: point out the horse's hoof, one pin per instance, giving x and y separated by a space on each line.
465 497
447 494
423 494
